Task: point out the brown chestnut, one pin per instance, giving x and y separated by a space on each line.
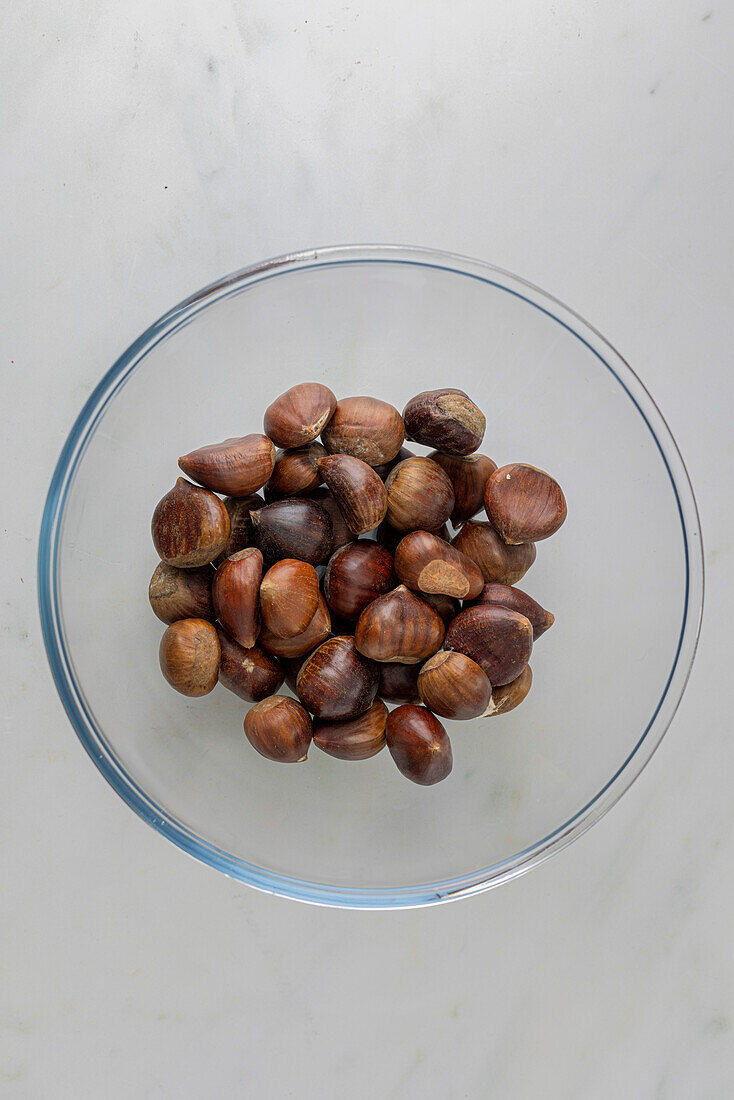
295 472
342 535
289 596
509 696
355 738
250 673
428 564
524 504
237 467
315 633
291 666
336 681
294 528
365 428
189 656
540 619
454 686
447 607
419 744
355 576
399 683
399 627
498 639
384 468
240 524
299 415
279 728
235 593
498 562
181 593
469 475
445 419
190 526
419 495
357 489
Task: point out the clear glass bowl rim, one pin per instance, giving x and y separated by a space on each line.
93 738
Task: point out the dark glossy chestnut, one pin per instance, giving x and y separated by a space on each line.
419 745
355 576
293 528
235 594
250 673
498 639
336 681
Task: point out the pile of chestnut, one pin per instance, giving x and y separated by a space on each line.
259 590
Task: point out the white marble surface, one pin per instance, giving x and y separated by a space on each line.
147 149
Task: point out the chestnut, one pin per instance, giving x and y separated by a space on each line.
279 728
366 428
240 524
237 467
399 683
524 503
428 564
399 627
342 535
356 575
294 528
418 744
315 633
447 607
189 656
357 489
289 596
291 666
454 686
299 415
445 419
384 468
355 738
336 681
250 673
509 696
540 619
295 472
498 562
181 593
190 526
235 593
419 495
498 639
468 475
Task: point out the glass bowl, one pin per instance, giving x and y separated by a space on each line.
624 576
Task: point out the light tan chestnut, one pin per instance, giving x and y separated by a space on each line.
357 489
509 696
524 503
315 633
279 728
365 428
250 673
497 638
181 593
498 562
235 593
289 597
189 656
469 475
420 496
504 594
454 686
237 467
299 415
399 627
356 738
428 564
190 526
